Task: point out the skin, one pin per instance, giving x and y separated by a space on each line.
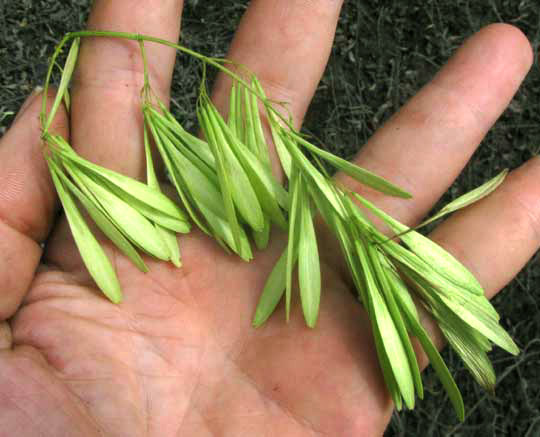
178 356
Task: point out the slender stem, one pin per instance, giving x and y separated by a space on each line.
138 37
145 64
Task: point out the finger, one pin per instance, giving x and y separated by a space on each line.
427 143
497 236
286 43
106 118
27 201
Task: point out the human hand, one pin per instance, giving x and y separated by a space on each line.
178 356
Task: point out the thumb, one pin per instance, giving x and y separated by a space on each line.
27 201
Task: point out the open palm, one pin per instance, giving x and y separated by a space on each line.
178 356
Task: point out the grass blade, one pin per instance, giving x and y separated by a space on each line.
309 270
387 330
223 172
470 197
262 238
387 285
429 251
408 310
132 223
62 91
170 240
361 175
130 187
292 245
174 174
103 222
93 256
168 236
272 292
242 191
270 194
275 127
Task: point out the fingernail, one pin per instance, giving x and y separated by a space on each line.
28 102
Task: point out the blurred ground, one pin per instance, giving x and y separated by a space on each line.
383 53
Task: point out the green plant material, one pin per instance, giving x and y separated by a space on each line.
387 284
391 349
311 173
271 196
132 223
469 198
410 315
62 91
429 251
168 236
309 271
197 185
262 238
273 290
172 159
242 190
151 203
195 145
223 170
295 185
275 127
361 175
93 256
227 188
100 218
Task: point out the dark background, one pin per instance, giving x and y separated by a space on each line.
383 53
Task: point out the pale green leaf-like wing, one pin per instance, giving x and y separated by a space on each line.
243 194
484 325
151 178
174 173
129 186
103 222
249 129
424 271
275 127
222 231
361 175
272 292
170 240
262 238
132 223
62 91
309 270
469 198
223 171
387 283
429 251
270 194
198 147
384 324
232 115
258 132
295 185
93 256
168 236
408 310
473 356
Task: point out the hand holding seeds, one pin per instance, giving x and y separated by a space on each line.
177 354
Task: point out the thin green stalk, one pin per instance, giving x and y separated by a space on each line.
141 38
